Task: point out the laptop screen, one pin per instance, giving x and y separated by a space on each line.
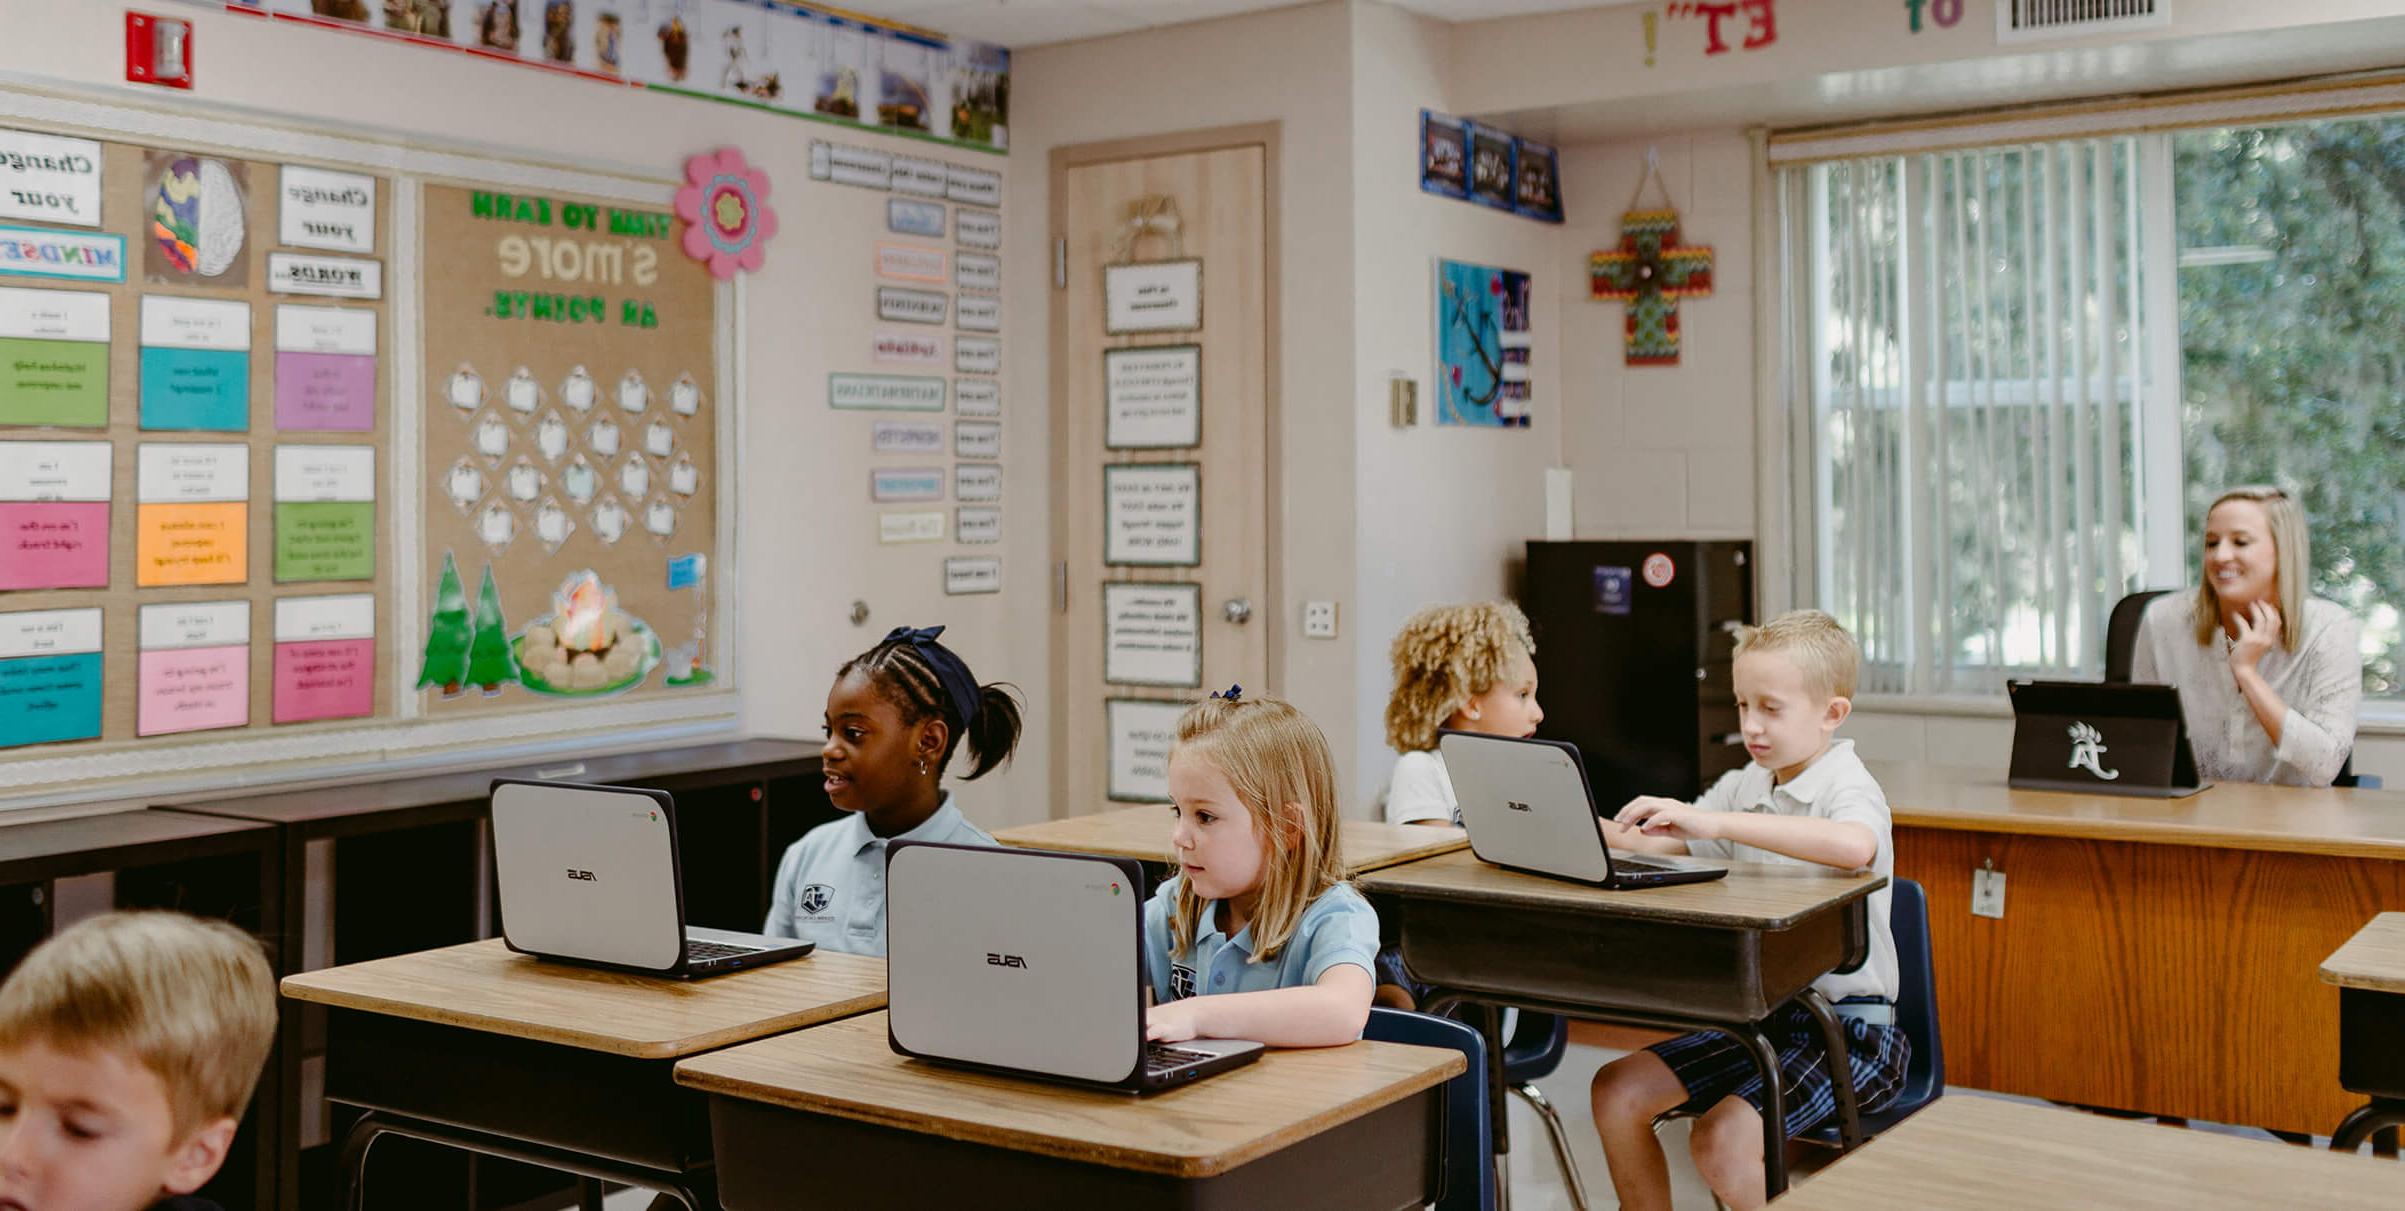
588 873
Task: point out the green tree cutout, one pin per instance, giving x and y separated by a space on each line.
446 662
490 664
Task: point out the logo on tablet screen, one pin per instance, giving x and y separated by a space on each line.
2087 752
1515 805
581 876
816 897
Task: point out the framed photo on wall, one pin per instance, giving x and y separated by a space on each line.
1537 189
1444 155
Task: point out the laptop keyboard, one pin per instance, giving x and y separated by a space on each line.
703 952
1161 1057
1640 866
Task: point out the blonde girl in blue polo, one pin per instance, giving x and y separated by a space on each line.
1257 936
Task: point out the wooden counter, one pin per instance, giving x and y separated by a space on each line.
2154 955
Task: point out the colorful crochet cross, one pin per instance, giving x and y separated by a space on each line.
1651 272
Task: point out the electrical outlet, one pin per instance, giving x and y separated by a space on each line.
1987 893
1319 620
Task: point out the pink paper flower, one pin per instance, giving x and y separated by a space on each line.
725 208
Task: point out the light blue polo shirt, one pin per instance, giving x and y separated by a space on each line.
830 886
1339 927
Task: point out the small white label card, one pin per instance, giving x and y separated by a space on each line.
198 624
1151 515
920 178
342 616
1152 296
977 397
976 481
345 330
1152 397
891 484
977 228
324 209
977 355
848 165
911 527
976 526
885 393
1152 634
965 575
53 315
50 633
976 439
1142 733
167 473
907 437
49 179
905 217
169 322
910 263
909 348
979 313
325 473
977 271
339 277
908 306
975 186
54 471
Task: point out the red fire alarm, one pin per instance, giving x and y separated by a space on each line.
158 50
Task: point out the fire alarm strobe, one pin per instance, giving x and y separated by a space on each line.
158 50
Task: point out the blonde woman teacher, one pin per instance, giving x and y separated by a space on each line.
2268 677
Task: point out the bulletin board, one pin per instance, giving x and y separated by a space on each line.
227 443
205 581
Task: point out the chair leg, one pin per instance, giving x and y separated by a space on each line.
588 1194
2372 1120
1503 1181
1561 1141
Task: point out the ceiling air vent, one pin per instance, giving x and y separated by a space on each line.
2036 20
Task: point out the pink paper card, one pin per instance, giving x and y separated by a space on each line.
325 680
326 391
54 544
193 689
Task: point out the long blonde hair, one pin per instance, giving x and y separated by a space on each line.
2292 549
1443 657
1273 757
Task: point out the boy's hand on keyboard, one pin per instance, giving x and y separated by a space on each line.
1658 817
1173 1021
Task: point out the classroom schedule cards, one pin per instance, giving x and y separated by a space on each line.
325 658
54 515
196 364
325 369
195 667
49 676
54 358
325 513
191 514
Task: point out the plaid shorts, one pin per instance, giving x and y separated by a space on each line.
1713 1066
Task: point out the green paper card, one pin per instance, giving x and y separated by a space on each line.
54 383
325 540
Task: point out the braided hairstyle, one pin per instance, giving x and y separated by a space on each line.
904 673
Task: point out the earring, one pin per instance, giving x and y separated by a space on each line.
922 765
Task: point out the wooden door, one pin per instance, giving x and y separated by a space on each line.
1129 207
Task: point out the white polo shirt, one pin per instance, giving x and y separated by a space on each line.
1836 787
830 886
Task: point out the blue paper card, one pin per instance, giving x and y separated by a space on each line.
45 699
196 389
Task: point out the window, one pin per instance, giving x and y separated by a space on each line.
2023 371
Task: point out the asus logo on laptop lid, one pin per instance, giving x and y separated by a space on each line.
581 876
1515 805
995 960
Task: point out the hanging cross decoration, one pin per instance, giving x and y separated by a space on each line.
1651 271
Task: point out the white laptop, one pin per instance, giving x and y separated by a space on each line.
1030 962
589 874
1527 806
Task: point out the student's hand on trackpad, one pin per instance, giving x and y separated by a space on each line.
1172 1022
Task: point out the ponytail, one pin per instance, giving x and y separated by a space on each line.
994 733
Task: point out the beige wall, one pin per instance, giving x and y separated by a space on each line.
1288 67
807 530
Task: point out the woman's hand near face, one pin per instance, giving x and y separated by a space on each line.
2258 630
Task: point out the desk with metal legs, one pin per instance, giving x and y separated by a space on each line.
1723 955
2370 974
833 1117
478 1048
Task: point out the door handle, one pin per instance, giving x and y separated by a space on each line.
1238 610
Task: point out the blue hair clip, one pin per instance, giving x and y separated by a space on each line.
950 670
1233 693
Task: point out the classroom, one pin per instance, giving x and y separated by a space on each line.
1201 603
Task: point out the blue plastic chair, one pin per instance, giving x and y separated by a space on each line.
1916 1013
1533 1052
1469 1176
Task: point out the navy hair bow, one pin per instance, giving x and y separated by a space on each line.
950 670
1233 693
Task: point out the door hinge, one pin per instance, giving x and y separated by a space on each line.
1060 264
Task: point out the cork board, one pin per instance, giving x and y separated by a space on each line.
158 559
570 426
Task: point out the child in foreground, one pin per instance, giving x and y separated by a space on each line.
1805 798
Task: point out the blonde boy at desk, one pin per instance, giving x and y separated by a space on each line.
1805 798
129 1045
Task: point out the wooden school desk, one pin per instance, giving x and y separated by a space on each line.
2370 974
832 1117
1142 833
2155 955
568 1067
1966 1153
1721 955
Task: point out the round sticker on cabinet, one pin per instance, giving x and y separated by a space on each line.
1658 570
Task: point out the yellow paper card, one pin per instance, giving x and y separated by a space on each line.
207 543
